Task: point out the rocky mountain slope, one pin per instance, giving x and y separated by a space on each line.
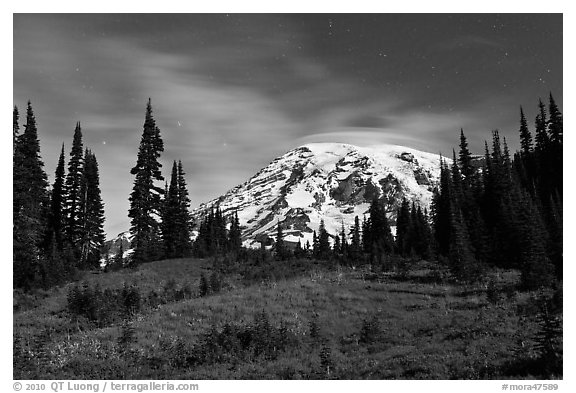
111 247
330 181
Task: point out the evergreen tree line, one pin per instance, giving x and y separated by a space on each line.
508 214
370 242
176 220
57 229
213 236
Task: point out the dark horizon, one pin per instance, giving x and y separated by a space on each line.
232 92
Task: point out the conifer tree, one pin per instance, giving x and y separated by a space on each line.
212 236
542 139
280 247
16 162
465 160
299 252
355 246
403 228
555 127
30 188
119 257
219 231
30 202
15 127
170 215
525 136
337 247
457 186
176 222
92 225
185 220
73 212
423 238
381 241
203 243
323 242
441 210
145 201
235 235
497 208
525 163
415 231
366 236
343 241
57 205
315 248
555 130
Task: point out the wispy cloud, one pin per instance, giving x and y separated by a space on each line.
467 42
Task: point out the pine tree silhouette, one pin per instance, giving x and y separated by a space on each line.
145 201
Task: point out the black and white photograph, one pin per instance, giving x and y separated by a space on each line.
287 196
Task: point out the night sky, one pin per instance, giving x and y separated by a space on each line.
232 92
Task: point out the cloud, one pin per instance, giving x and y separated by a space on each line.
392 122
218 131
467 42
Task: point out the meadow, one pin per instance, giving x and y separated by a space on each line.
284 320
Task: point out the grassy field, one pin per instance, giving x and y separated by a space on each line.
338 323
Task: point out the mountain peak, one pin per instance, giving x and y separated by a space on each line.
333 182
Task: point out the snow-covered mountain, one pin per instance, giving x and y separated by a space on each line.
112 247
330 181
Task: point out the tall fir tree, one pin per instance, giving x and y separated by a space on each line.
366 236
403 229
343 241
220 234
555 127
457 182
280 246
324 249
355 242
441 210
15 127
171 209
92 225
145 199
57 206
556 133
184 218
74 178
337 247
30 202
315 248
380 241
525 135
422 236
542 139
16 162
465 160
235 234
299 251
